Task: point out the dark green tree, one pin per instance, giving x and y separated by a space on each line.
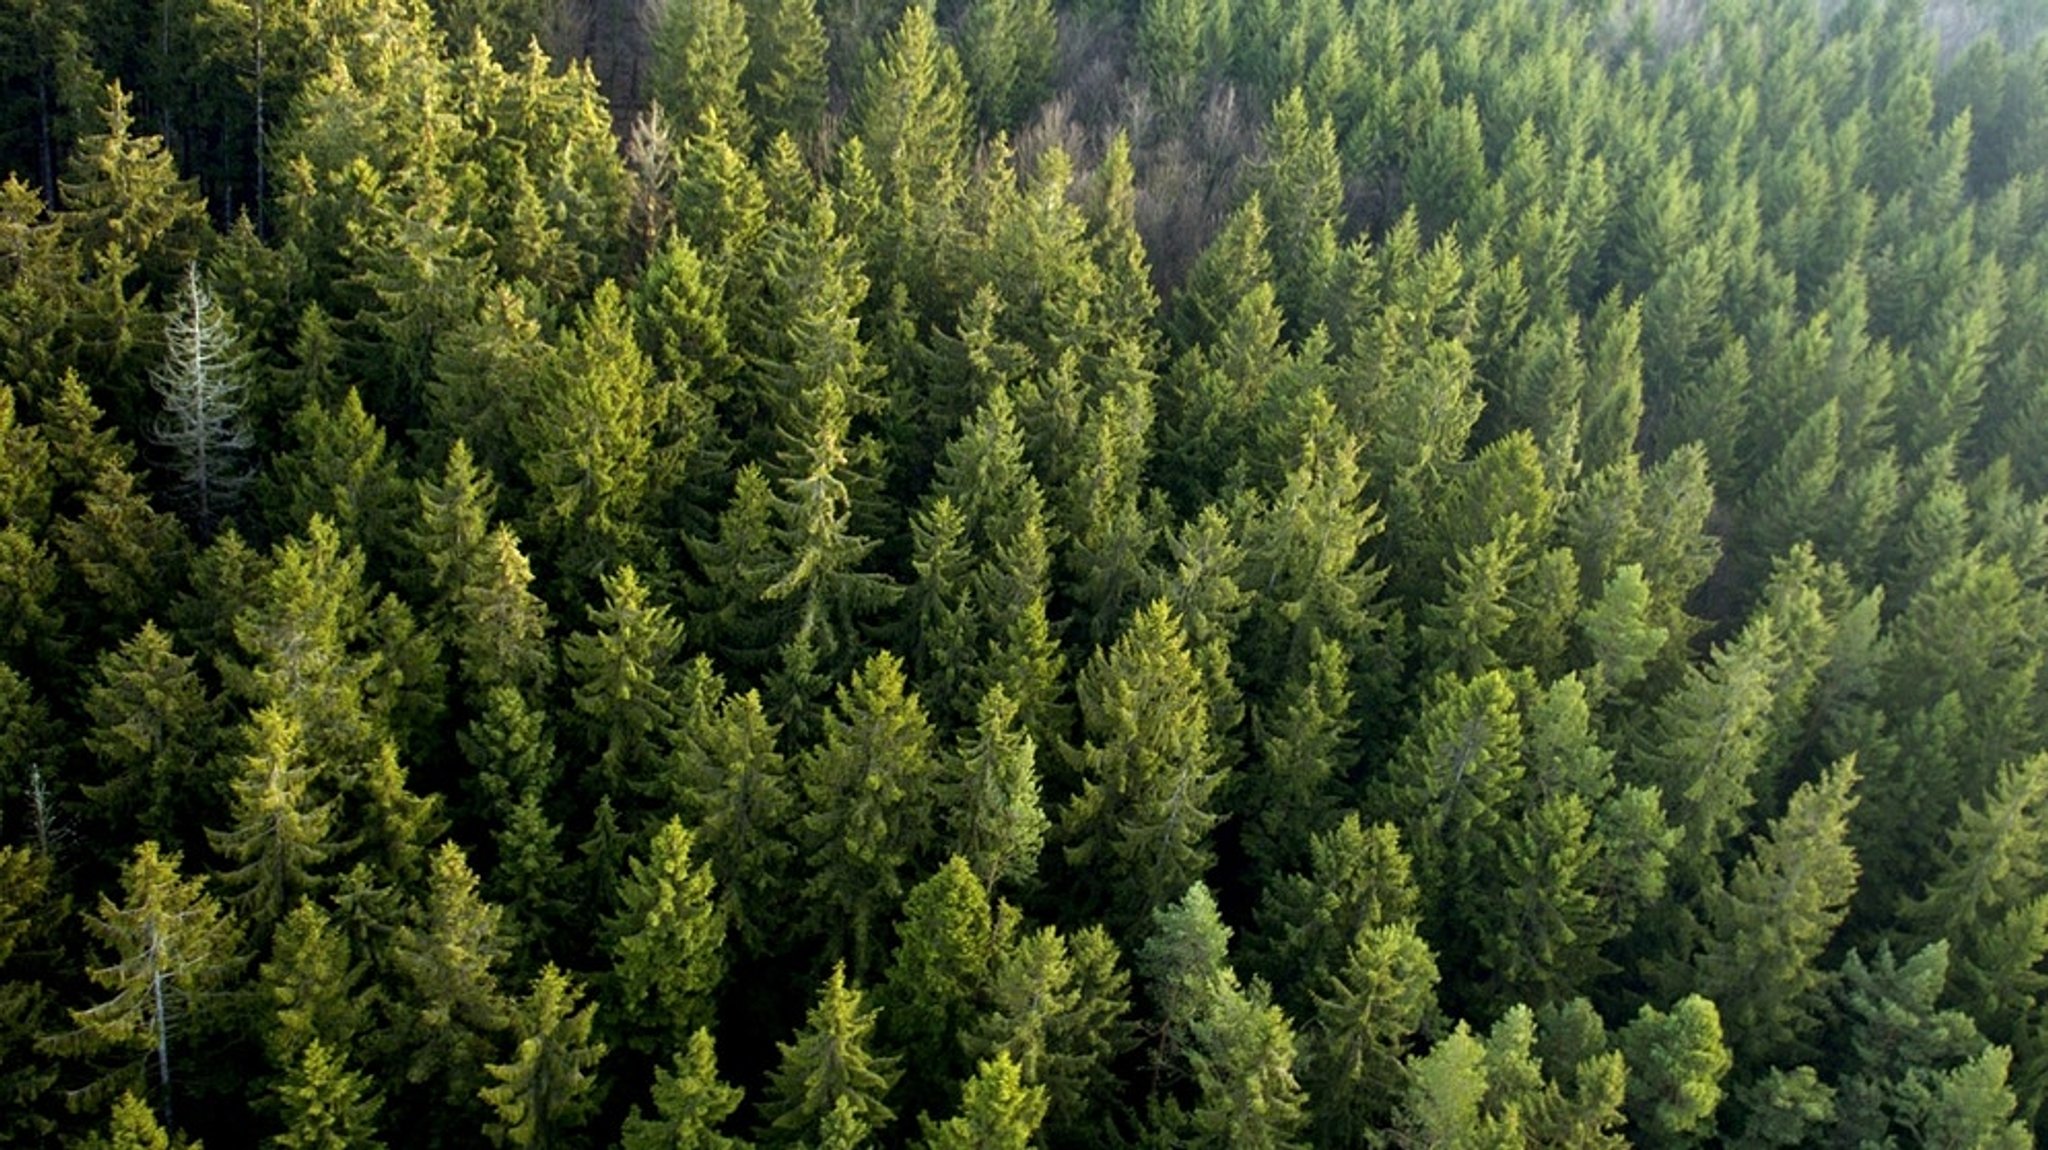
1138 831
868 820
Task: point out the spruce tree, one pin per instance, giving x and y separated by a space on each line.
829 1069
172 948
690 1104
868 785
624 683
992 812
544 1092
153 728
736 788
666 942
998 1111
1778 911
1137 832
325 1105
282 830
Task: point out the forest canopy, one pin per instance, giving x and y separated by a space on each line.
1008 573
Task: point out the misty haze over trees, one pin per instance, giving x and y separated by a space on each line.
1002 573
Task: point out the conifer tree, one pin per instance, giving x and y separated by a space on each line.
1676 1062
339 468
543 1093
786 76
1006 57
172 947
1367 1014
1057 1007
829 1068
665 942
948 938
325 1105
281 830
153 731
1138 830
125 204
701 51
1358 879
201 387
594 444
868 788
1297 784
624 683
690 1104
735 787
993 817
1780 907
500 625
910 111
998 1111
311 986
1301 186
447 953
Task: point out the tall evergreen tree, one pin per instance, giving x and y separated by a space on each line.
829 1069
172 946
666 941
1138 830
1780 908
868 823
690 1104
544 1092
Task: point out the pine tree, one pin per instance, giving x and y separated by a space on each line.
172 948
993 817
454 1009
1676 1062
153 730
201 387
666 941
690 1104
868 789
325 1105
998 1111
827 1068
544 1092
1781 905
1138 831
281 830
624 683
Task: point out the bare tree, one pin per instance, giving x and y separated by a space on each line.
200 382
